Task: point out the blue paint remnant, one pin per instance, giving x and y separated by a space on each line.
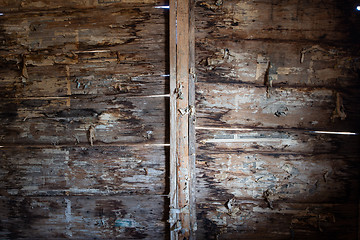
126 223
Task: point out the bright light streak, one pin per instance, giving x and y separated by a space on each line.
358 8
163 7
338 133
1 14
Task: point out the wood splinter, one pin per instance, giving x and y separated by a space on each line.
188 110
313 48
325 176
268 80
119 58
268 195
91 135
339 111
24 72
179 92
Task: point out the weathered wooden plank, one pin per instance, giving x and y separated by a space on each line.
255 184
291 221
285 177
125 217
77 30
59 80
68 120
183 111
192 119
234 105
311 195
173 194
85 171
270 73
41 5
275 141
289 64
83 139
279 21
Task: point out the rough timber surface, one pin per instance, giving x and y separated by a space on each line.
82 170
67 120
75 217
27 5
270 75
84 93
237 105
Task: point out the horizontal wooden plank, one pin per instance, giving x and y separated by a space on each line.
288 64
59 80
139 28
279 184
286 177
275 141
84 171
43 5
126 217
235 105
68 120
271 74
247 220
274 20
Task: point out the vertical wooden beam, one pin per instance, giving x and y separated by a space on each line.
182 120
173 216
182 139
192 118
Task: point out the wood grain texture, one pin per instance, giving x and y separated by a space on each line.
173 195
265 186
83 171
40 5
270 74
77 30
276 20
183 175
236 105
53 81
303 64
275 141
84 98
125 217
67 120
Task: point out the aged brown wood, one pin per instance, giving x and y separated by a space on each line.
173 194
64 217
83 170
182 121
192 119
83 140
116 120
181 54
237 105
27 5
269 76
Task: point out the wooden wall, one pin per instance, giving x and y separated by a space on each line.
73 72
269 74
